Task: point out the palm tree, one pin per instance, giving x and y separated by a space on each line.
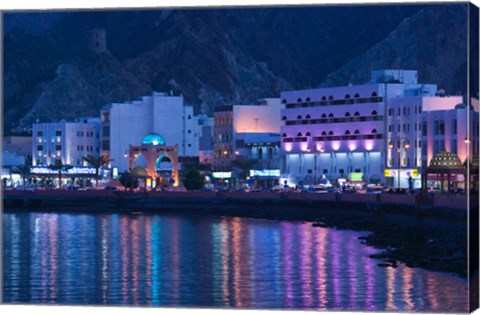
23 170
98 162
60 167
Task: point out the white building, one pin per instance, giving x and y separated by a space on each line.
345 132
68 142
125 124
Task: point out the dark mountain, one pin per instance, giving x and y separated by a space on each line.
212 56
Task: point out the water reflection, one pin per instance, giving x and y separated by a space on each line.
180 260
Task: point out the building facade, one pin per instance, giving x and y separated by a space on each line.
242 130
346 133
125 124
67 142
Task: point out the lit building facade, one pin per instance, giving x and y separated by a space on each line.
125 124
246 132
346 132
67 142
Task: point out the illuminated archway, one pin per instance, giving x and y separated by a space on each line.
153 146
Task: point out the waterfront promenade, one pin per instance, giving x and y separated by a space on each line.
450 206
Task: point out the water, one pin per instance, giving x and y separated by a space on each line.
207 261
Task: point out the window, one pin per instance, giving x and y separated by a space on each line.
374 131
105 131
58 147
189 145
189 131
307 99
356 114
454 127
58 133
347 132
356 95
347 96
330 97
330 115
330 133
189 117
307 134
324 115
299 117
284 135
284 101
324 133
299 100
374 94
39 147
284 118
105 145
260 153
441 128
424 128
357 132
347 114
374 113
299 134
307 117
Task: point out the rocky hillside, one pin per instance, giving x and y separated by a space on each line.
219 56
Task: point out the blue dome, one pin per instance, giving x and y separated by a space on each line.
153 138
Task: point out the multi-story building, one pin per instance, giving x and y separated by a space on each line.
125 124
347 132
64 141
234 125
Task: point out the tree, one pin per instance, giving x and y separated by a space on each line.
60 167
97 162
23 170
128 181
193 180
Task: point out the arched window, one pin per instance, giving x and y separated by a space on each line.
374 131
299 134
324 115
307 99
330 115
347 114
307 117
284 118
189 116
356 95
356 132
299 117
347 96
374 94
284 135
330 97
347 132
330 133
307 134
374 113
324 98
299 100
324 133
284 101
356 114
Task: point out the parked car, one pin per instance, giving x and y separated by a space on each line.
110 188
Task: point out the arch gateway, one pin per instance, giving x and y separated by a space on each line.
152 147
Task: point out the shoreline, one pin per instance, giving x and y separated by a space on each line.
425 236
